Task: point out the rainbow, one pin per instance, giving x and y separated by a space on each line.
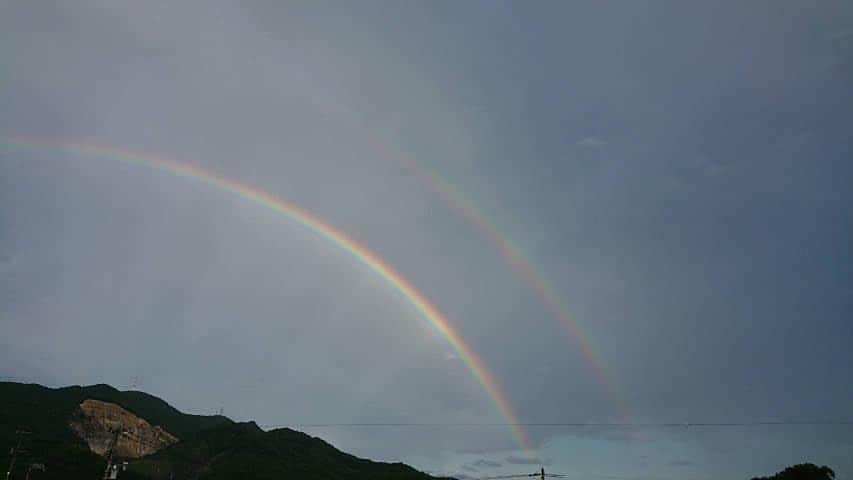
519 264
321 228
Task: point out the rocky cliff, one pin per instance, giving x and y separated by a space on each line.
97 422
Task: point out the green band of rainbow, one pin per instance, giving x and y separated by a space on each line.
320 227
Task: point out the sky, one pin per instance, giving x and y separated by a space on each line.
677 175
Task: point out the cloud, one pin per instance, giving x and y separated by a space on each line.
591 142
517 460
462 476
843 34
484 463
716 170
713 168
480 464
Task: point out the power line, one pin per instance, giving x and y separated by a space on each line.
540 474
758 423
522 475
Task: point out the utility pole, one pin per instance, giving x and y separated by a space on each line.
20 435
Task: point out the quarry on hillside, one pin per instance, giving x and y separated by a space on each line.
100 424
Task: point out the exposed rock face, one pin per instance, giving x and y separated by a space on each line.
96 423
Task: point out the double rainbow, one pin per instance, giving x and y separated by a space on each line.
512 254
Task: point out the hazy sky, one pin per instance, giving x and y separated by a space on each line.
679 173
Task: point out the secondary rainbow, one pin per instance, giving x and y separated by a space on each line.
323 229
519 264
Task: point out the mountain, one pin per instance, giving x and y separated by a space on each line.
66 424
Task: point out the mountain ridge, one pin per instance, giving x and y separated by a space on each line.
208 447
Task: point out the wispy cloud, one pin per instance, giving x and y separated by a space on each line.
843 33
463 476
484 463
591 142
715 169
518 460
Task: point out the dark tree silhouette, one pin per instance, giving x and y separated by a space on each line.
803 471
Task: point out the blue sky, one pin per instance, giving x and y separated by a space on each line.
678 171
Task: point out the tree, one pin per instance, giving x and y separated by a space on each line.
803 471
